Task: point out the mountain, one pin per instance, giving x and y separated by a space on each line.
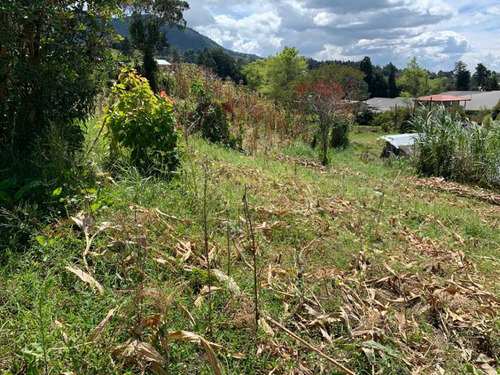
185 39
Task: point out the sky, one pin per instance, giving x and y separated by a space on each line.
437 32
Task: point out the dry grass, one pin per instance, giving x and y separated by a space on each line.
374 269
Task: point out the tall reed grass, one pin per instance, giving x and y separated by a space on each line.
457 149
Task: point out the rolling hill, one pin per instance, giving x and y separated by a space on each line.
186 39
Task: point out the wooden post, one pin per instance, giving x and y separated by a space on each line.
395 115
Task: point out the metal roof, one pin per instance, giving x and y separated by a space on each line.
442 98
478 99
387 104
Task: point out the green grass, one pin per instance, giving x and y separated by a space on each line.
358 203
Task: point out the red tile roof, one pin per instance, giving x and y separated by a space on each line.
442 98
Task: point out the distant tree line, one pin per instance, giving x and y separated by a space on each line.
216 59
386 81
389 82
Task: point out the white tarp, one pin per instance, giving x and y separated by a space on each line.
401 140
163 62
399 144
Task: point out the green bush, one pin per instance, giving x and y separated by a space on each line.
385 120
365 115
340 133
458 111
54 62
143 125
456 149
495 111
210 117
395 120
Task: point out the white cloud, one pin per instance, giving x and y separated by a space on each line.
438 32
324 18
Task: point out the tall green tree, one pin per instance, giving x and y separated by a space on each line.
366 67
52 63
256 74
222 63
392 88
484 79
276 75
462 76
149 17
481 76
493 82
205 59
415 81
175 55
351 80
189 56
379 85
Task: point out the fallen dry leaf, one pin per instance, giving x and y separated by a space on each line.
135 350
98 329
85 277
193 337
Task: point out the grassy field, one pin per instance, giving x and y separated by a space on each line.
376 269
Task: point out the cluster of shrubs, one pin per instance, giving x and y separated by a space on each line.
400 120
340 132
142 126
210 116
393 120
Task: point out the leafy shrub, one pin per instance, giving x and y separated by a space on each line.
385 120
457 110
250 116
456 149
142 123
403 120
495 112
365 115
210 116
214 124
395 120
340 133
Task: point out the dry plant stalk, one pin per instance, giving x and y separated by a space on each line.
320 353
207 346
228 250
207 254
254 254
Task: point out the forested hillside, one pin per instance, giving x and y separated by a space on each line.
184 39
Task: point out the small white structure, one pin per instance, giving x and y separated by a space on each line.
399 144
163 63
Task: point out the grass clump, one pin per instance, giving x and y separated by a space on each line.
457 149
